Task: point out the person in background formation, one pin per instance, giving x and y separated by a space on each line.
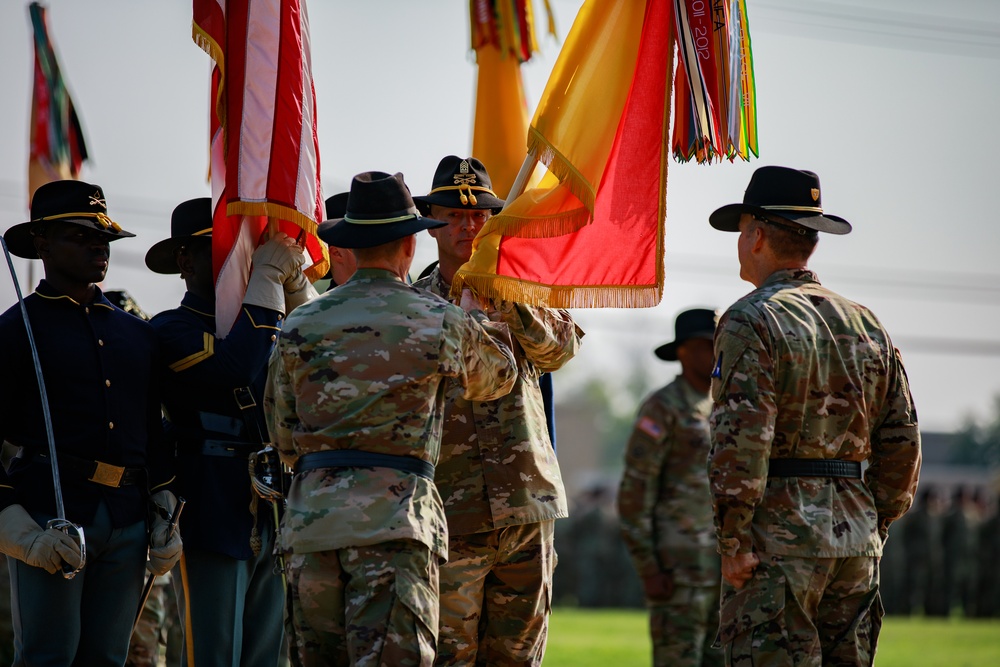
987 599
102 367
957 541
354 406
342 261
807 385
922 544
230 596
593 545
916 564
157 623
665 505
498 475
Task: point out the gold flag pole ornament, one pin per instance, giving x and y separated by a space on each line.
590 235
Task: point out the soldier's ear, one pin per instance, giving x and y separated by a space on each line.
41 242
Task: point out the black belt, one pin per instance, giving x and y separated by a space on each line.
814 468
353 458
98 472
228 448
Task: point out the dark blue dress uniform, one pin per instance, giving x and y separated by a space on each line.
100 367
233 597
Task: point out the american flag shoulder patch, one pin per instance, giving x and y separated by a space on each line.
650 427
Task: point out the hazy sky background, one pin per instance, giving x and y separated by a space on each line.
893 104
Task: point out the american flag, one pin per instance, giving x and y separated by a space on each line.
264 146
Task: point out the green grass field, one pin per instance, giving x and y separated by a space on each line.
618 638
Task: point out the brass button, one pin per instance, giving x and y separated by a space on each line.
100 342
107 383
273 338
86 310
111 425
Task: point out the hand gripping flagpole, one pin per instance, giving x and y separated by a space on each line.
60 522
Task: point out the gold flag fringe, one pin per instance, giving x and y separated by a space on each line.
215 52
505 288
288 214
538 227
561 167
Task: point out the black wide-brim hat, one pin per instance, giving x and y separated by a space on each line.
792 194
379 210
74 202
336 208
461 183
694 323
190 220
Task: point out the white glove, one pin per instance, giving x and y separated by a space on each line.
274 263
165 546
298 290
22 538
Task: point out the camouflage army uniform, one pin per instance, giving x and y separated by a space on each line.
502 490
666 517
804 373
362 368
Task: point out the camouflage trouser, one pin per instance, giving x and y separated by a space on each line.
158 624
803 611
684 628
496 592
367 606
144 646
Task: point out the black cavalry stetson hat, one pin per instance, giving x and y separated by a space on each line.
336 208
379 210
694 323
792 194
461 183
75 202
190 220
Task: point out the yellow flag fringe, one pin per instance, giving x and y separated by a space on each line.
538 227
286 213
561 167
563 296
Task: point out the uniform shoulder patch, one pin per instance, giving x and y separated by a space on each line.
650 427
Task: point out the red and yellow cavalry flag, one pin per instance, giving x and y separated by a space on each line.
503 37
57 149
264 147
591 234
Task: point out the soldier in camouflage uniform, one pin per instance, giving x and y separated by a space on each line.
807 385
355 405
665 505
498 474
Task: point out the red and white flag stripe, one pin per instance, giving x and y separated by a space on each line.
265 149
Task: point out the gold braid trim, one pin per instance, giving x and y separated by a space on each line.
102 219
464 192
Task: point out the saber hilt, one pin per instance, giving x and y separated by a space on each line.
171 527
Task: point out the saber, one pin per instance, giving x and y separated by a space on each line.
171 526
60 522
